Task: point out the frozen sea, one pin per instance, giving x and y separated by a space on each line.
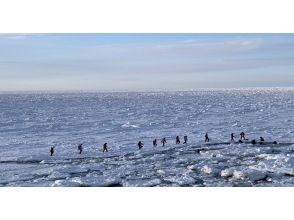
31 123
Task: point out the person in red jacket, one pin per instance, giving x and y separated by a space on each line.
242 135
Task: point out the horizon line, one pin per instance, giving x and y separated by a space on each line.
142 90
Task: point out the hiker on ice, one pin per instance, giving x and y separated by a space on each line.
185 139
206 137
232 137
242 135
163 141
154 143
140 145
178 140
105 147
261 139
80 148
52 151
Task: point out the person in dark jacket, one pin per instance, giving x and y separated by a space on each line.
206 137
80 148
178 140
140 145
163 141
154 143
185 139
105 147
52 151
232 137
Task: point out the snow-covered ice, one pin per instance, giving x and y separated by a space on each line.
31 123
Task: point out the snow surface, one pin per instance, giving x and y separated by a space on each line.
31 123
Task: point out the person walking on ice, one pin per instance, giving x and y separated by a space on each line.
140 145
185 139
154 143
105 147
163 141
206 137
52 151
80 148
178 140
242 135
232 137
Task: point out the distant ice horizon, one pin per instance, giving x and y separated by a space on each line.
145 90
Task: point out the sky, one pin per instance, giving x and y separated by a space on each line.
136 62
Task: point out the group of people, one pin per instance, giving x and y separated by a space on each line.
163 142
80 149
242 137
206 139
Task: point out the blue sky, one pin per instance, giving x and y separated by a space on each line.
145 61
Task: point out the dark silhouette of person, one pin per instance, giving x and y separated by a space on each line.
105 147
232 136
242 135
154 143
163 141
52 151
206 137
185 139
261 139
140 145
80 148
178 140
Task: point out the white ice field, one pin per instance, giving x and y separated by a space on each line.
31 123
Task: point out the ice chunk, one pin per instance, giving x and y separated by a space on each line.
206 169
239 175
256 175
227 173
